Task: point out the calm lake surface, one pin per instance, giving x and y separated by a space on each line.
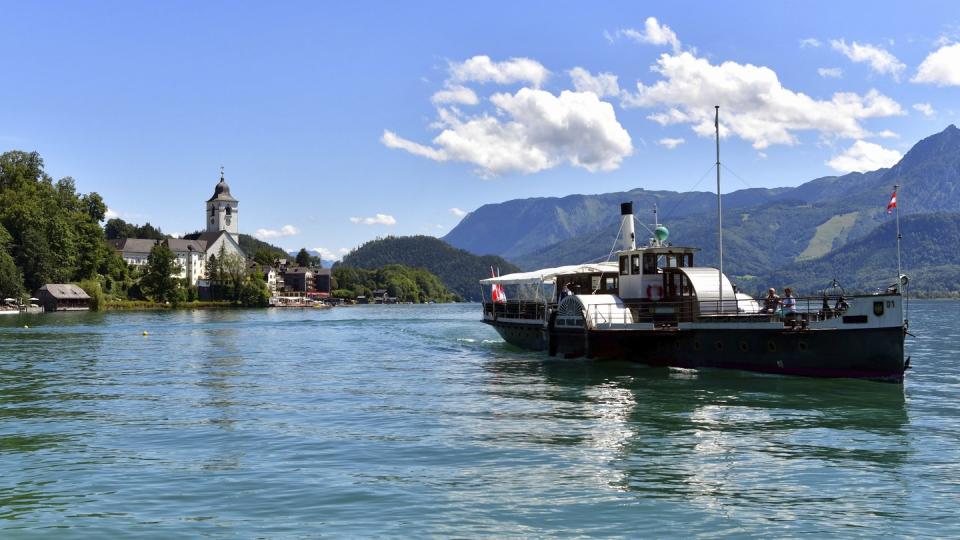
420 421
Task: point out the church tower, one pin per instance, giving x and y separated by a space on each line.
222 210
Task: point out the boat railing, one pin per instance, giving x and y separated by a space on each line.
515 309
670 313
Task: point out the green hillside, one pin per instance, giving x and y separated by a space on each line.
930 256
459 270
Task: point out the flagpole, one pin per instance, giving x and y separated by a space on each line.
896 188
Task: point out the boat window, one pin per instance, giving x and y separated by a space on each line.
611 283
594 283
689 257
624 269
649 263
635 264
671 261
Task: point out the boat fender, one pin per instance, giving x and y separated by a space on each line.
654 292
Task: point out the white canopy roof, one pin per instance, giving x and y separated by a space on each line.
549 275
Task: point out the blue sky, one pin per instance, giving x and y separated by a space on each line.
339 122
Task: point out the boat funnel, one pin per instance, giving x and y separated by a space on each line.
626 217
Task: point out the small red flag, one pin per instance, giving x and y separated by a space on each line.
893 203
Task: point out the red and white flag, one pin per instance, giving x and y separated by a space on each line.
893 202
496 292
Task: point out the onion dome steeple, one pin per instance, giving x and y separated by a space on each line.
222 191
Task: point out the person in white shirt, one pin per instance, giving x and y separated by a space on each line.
789 302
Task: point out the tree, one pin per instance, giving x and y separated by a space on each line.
255 292
234 273
263 257
159 282
303 257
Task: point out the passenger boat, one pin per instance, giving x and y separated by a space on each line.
652 304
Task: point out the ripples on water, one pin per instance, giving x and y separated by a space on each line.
418 420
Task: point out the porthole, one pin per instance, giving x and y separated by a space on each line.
771 346
744 347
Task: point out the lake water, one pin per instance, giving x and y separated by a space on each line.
419 421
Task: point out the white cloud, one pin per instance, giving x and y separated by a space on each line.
754 104
379 219
533 130
603 84
924 108
810 42
458 212
483 70
671 143
864 156
941 67
286 230
110 214
653 33
886 134
879 59
455 94
830 73
330 255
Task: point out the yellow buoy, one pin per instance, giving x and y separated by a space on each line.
145 333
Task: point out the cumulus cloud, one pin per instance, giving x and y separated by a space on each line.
330 255
458 212
864 156
603 84
924 108
830 73
286 230
670 143
809 42
755 106
455 94
534 130
110 213
653 33
878 58
482 69
941 67
379 219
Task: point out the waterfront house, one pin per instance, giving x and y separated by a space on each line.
63 297
380 296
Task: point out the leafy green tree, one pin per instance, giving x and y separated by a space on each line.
303 257
255 292
264 257
159 282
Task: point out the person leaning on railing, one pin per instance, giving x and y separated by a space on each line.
771 302
789 302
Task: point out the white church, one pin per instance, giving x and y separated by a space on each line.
222 229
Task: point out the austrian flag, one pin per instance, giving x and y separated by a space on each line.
893 203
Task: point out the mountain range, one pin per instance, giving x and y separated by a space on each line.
769 234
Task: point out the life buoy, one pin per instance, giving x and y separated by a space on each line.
654 292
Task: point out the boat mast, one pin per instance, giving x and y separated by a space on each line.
716 124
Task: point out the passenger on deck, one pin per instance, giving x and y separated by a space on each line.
771 302
567 291
788 302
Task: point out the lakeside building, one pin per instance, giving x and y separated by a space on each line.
222 221
63 297
307 280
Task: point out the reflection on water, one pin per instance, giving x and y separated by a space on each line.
418 420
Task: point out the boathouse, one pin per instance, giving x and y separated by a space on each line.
63 297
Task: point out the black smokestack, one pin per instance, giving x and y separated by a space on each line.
626 209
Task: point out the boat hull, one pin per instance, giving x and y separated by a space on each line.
870 353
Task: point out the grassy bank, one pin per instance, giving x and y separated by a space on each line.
145 305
